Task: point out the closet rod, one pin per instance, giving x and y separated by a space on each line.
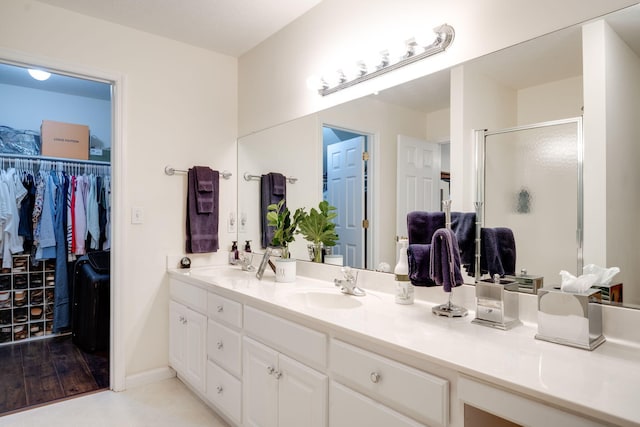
249 177
53 159
171 171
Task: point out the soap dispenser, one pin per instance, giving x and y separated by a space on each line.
404 287
234 256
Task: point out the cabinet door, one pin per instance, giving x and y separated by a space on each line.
177 337
348 408
302 395
259 384
196 353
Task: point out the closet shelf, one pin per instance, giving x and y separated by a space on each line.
10 156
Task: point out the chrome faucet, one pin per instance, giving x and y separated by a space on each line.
348 285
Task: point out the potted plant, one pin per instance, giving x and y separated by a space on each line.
318 227
285 226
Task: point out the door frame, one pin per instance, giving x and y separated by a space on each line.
117 379
371 200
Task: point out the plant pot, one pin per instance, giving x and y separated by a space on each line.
285 270
315 252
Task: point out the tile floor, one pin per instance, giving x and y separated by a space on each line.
165 403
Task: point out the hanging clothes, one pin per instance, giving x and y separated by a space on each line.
62 310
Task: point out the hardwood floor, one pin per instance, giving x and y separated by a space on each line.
48 370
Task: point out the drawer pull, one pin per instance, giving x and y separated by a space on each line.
219 345
220 309
374 377
219 389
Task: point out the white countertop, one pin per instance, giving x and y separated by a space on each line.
604 383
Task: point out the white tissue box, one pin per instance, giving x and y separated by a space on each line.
570 318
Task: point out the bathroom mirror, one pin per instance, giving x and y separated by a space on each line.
549 68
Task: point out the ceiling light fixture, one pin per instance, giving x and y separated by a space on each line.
411 51
39 74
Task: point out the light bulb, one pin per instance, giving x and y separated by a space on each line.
39 74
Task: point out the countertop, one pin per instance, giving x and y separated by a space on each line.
603 383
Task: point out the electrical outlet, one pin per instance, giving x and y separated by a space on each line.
243 222
232 223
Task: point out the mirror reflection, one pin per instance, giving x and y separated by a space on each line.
546 79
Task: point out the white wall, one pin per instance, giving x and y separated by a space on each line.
28 107
273 75
623 154
179 108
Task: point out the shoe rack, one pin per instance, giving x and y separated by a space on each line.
26 299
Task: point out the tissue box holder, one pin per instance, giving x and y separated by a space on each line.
570 318
497 304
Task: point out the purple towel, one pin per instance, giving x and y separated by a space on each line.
444 268
206 184
202 228
421 225
463 225
419 255
204 180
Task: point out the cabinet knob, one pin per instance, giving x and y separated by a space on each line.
374 377
277 374
219 344
220 309
219 389
270 370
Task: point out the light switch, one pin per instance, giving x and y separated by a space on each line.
137 215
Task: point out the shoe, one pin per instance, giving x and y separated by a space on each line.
20 318
19 298
36 312
48 312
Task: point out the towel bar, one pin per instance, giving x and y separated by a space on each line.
168 170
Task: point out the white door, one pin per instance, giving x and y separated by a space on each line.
417 178
345 191
302 396
177 336
259 385
196 356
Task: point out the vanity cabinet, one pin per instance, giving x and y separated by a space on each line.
348 408
187 335
514 408
224 355
412 392
279 390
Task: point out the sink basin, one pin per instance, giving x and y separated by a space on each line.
325 300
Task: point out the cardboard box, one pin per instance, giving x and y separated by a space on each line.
64 140
100 154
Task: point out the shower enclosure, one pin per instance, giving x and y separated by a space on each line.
529 179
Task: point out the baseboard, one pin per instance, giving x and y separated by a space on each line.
148 377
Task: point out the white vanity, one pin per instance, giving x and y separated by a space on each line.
303 354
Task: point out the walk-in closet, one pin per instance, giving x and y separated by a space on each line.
55 243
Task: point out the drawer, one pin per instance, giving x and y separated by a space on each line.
350 408
301 343
189 295
224 310
413 392
224 391
224 347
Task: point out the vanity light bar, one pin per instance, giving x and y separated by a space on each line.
444 37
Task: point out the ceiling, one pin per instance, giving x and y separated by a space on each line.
231 27
234 26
